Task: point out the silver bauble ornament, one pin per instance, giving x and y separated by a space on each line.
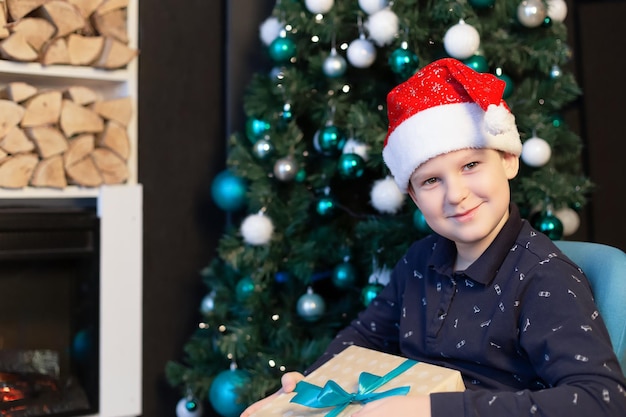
335 65
285 169
531 13
263 148
311 306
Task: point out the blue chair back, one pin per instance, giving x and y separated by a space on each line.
605 267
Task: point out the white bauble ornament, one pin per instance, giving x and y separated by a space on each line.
354 146
372 6
188 407
361 53
557 10
257 229
461 41
382 26
531 13
319 6
570 220
269 30
386 196
536 152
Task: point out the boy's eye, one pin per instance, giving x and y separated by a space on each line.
471 165
430 181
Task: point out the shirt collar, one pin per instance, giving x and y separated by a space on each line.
485 268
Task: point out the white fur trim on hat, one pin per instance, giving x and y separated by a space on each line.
447 128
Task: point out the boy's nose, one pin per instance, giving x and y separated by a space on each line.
456 190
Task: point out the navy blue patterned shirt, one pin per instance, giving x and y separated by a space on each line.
520 324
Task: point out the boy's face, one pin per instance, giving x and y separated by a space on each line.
464 195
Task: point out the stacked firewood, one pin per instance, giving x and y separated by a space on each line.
70 32
52 138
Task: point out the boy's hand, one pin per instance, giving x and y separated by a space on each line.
288 382
396 406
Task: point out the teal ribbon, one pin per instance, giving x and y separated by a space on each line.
332 395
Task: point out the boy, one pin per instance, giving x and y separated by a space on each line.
485 294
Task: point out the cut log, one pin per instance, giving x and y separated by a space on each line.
4 31
115 55
10 115
15 172
48 140
65 17
112 24
16 141
110 5
81 95
17 48
115 138
112 168
86 7
119 109
37 31
18 91
20 8
80 147
42 109
55 52
84 173
78 119
83 50
49 173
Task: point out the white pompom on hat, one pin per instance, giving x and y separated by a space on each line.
445 107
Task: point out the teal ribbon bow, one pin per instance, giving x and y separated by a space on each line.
332 395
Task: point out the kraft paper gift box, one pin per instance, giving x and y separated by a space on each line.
379 374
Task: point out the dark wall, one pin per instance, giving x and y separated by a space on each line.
185 116
181 148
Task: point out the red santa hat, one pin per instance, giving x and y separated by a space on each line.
445 107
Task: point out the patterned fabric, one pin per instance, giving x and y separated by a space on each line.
520 324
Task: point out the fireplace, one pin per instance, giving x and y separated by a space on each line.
70 305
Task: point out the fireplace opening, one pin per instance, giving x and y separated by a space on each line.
49 311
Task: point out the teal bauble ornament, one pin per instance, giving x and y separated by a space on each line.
256 129
481 4
557 120
350 165
311 306
477 62
229 191
223 392
325 206
509 85
344 275
189 407
244 289
403 63
420 222
329 140
282 49
548 224
369 292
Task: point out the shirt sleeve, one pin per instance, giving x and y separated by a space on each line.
566 342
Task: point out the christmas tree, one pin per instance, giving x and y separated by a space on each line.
317 223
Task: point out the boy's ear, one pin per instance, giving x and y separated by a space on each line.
511 164
411 193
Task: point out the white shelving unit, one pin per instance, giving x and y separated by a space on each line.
120 211
108 84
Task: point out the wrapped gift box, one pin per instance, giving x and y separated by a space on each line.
346 370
